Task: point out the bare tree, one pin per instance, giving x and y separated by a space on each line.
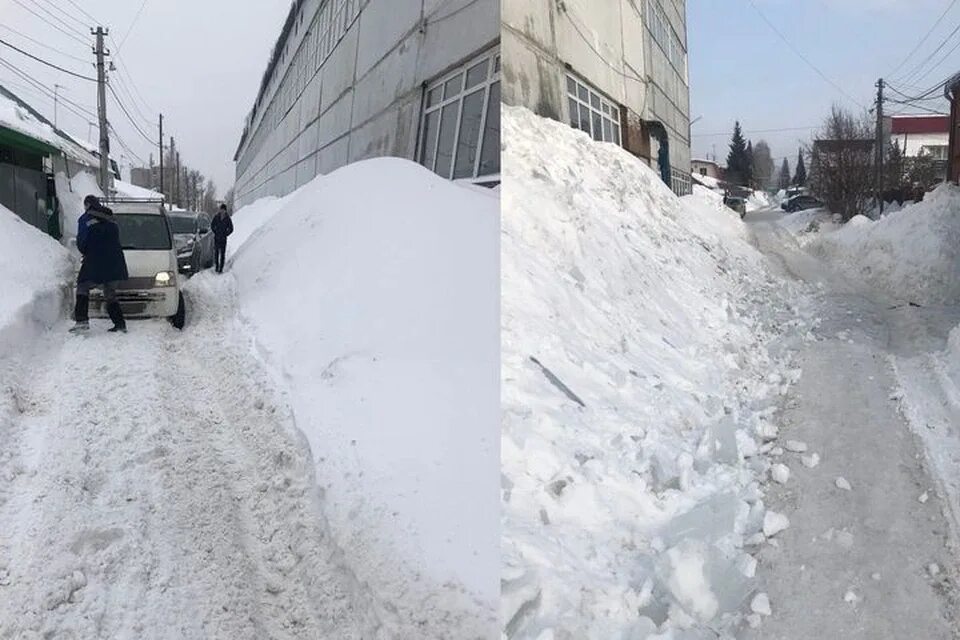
842 163
210 198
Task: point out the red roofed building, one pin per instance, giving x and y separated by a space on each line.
916 134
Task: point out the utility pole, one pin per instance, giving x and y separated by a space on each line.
880 143
177 199
56 100
161 153
102 109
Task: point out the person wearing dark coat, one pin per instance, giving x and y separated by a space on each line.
104 267
222 226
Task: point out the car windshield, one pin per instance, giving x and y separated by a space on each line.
183 224
143 232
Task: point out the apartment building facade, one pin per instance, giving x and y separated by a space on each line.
615 69
356 79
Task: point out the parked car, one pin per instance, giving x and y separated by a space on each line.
153 288
800 203
736 203
193 240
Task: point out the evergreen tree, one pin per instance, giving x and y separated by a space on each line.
800 177
738 162
784 181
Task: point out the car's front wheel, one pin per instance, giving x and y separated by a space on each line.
179 319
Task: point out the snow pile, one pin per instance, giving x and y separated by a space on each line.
372 293
128 190
71 192
913 254
248 220
638 392
34 267
759 200
14 116
35 270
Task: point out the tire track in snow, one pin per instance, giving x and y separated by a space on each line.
160 492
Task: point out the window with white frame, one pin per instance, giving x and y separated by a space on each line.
680 182
592 113
460 127
664 35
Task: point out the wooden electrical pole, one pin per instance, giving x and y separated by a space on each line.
880 143
161 153
102 109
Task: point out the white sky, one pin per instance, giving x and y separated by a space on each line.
197 61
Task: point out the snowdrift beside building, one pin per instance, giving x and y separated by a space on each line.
638 394
913 254
373 294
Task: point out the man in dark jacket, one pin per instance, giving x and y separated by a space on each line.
98 239
222 226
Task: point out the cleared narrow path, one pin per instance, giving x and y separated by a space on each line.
856 564
152 486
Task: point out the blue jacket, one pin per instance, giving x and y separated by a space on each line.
98 240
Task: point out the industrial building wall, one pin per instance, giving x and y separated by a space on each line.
354 91
611 46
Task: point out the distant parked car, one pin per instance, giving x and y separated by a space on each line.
800 203
194 242
736 203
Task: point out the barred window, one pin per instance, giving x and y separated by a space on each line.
460 127
592 113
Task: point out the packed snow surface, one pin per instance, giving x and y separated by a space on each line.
373 294
639 380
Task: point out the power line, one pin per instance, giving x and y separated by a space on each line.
777 31
752 131
125 146
940 62
83 25
924 38
129 78
126 93
81 10
42 44
129 117
44 91
58 28
49 64
911 77
432 20
132 25
54 17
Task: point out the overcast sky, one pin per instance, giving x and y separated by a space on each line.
197 61
741 69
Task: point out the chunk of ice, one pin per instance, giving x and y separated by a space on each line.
774 523
842 483
811 460
780 473
761 604
795 446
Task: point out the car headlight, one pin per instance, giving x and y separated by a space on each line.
164 279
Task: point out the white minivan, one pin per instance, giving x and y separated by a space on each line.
153 288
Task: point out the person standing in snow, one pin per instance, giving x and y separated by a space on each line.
222 226
98 239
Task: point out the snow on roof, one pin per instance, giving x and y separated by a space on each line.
16 115
127 190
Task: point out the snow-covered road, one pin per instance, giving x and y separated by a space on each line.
869 553
152 486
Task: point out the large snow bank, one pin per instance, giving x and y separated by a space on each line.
635 381
373 293
248 220
33 265
71 192
913 254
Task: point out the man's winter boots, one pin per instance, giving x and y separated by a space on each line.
116 314
81 314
